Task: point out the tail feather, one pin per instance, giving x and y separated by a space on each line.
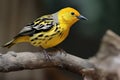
9 44
16 40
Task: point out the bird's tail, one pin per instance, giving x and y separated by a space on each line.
9 44
16 40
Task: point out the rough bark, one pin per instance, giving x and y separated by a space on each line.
27 60
107 60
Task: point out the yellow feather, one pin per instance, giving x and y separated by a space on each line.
57 29
22 39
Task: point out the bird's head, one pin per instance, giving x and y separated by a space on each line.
70 15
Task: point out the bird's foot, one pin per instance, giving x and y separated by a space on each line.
47 56
61 51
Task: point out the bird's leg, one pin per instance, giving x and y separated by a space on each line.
46 55
60 50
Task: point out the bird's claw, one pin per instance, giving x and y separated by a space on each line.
47 56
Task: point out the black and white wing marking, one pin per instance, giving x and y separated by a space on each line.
26 31
42 24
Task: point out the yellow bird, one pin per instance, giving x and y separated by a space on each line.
48 30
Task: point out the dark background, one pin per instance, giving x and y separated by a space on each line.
84 38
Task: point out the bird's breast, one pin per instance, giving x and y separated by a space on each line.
51 38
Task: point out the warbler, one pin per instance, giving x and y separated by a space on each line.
48 30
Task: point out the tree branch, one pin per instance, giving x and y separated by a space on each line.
13 61
107 60
103 66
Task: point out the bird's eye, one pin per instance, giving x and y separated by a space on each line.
72 13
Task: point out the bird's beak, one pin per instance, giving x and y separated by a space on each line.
82 17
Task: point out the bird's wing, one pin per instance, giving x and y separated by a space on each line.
41 24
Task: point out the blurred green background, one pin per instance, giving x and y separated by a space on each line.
84 38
